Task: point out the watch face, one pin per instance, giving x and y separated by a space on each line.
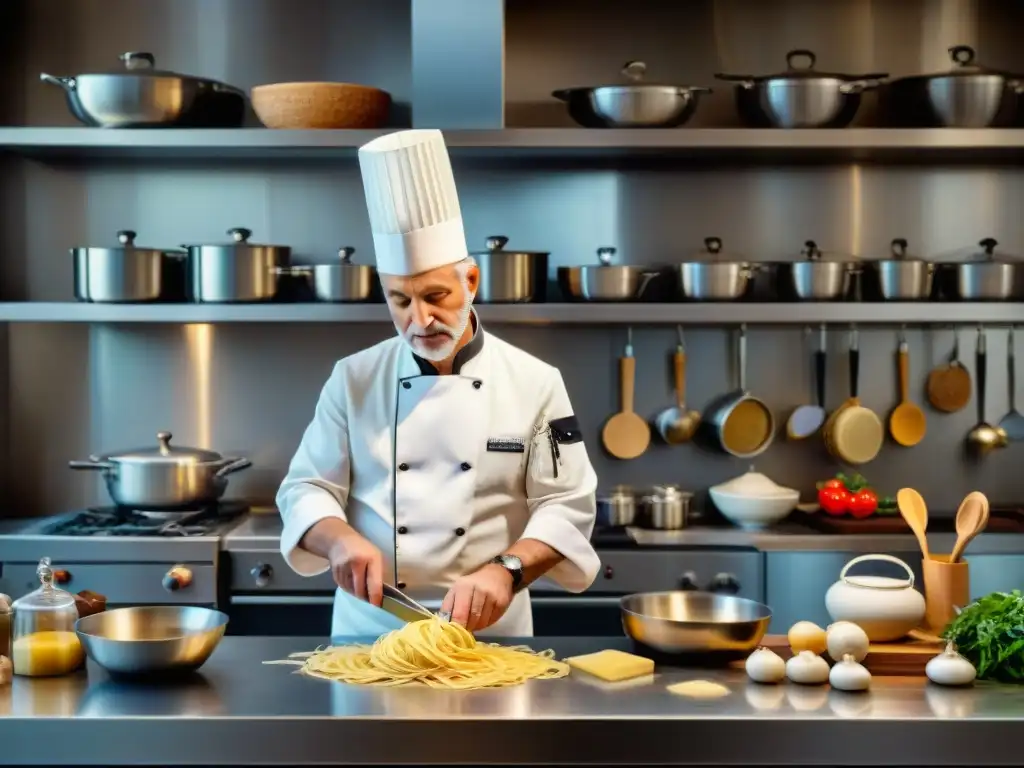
512 562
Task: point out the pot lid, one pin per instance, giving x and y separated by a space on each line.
898 252
497 243
988 252
805 72
240 237
139 64
165 453
633 73
963 65
712 251
811 252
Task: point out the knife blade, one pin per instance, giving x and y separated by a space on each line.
403 607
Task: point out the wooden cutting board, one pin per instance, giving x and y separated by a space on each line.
903 659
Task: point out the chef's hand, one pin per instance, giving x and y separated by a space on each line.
358 567
478 600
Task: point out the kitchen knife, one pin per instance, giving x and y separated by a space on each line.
401 606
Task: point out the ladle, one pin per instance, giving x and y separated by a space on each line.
915 512
971 519
907 422
983 438
1013 422
808 419
676 424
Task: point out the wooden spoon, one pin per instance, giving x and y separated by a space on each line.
915 512
906 423
971 519
626 435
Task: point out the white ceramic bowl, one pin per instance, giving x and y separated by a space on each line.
755 512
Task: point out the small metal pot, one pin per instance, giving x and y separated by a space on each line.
967 96
605 281
164 478
618 509
986 277
899 278
238 271
341 282
666 508
800 97
633 105
815 278
712 279
508 277
128 274
139 96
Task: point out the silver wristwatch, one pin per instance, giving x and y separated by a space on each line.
514 566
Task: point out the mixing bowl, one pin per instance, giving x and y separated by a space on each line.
694 622
153 639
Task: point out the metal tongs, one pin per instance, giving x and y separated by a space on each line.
400 605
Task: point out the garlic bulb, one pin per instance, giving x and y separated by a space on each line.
950 668
765 666
807 636
807 668
849 675
846 638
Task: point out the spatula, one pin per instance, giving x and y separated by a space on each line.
626 435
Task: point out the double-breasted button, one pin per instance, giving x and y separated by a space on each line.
400 585
477 384
466 466
407 384
403 466
402 529
460 531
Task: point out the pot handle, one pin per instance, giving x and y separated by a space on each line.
105 466
67 83
645 281
233 465
908 584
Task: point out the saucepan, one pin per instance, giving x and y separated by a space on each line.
340 282
164 478
605 281
688 622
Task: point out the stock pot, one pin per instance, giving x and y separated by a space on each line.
815 277
900 277
128 273
510 276
605 281
710 277
986 276
238 271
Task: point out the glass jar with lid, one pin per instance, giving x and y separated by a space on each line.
44 642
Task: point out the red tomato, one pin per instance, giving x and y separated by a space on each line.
863 503
835 482
834 501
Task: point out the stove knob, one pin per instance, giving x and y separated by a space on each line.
609 572
688 581
179 577
262 574
61 577
725 582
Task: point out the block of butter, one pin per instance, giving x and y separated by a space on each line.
612 666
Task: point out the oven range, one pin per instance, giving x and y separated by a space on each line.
267 598
132 557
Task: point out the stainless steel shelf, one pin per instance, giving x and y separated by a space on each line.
528 314
698 143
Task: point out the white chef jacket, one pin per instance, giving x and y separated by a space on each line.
443 473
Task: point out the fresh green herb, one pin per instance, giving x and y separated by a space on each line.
855 482
990 634
887 505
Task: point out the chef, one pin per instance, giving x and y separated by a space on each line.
444 460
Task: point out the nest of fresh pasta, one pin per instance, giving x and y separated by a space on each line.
432 652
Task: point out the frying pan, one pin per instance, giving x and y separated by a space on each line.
854 433
808 419
738 423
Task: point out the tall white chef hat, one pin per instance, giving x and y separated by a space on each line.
412 201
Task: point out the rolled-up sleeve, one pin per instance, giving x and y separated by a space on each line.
561 492
317 484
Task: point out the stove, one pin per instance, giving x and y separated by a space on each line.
132 557
123 521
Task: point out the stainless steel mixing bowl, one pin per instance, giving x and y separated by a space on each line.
151 639
694 622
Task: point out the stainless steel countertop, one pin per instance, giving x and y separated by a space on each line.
238 711
261 530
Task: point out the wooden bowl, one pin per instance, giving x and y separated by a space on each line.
321 105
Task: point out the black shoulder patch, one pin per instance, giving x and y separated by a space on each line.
566 430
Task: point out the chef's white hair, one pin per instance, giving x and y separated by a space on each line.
462 267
